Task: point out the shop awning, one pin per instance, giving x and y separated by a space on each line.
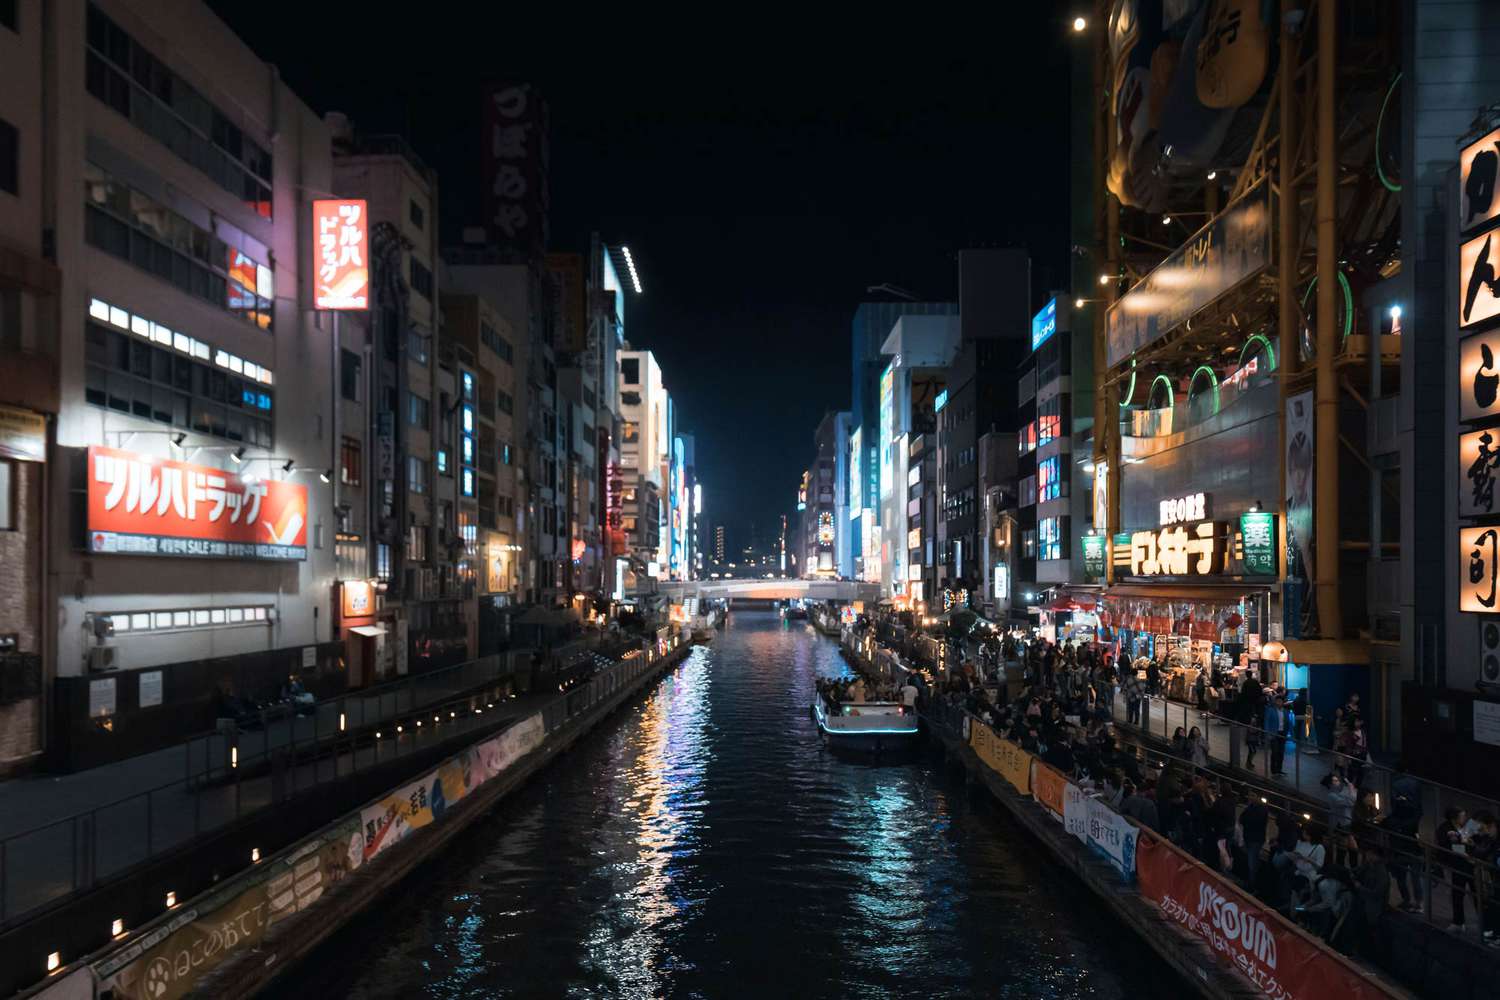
1310 652
368 629
1208 593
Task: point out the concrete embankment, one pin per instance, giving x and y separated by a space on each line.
234 939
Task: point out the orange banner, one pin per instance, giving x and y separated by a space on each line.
341 234
143 505
1277 957
1047 785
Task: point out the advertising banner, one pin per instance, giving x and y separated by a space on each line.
341 233
169 962
1232 248
1049 786
1014 765
1276 957
143 505
1113 836
1299 510
1076 812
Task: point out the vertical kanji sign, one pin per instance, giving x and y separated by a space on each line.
514 161
341 254
148 506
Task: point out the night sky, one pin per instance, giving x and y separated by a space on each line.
764 173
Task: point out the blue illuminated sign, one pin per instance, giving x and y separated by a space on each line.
941 401
1044 324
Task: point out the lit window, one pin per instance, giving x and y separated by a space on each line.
120 622
163 619
236 615
200 616
180 619
141 620
216 616
99 309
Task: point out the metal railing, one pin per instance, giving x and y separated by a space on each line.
234 774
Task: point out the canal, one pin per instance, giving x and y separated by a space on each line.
702 843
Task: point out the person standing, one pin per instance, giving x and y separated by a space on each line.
1275 726
1253 821
1450 838
1484 847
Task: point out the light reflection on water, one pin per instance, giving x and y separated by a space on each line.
701 843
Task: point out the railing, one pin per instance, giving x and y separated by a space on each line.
1305 764
234 774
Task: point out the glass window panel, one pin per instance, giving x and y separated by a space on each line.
236 615
121 623
163 619
180 619
217 616
140 620
200 616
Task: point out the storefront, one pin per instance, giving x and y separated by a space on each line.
1194 594
1322 673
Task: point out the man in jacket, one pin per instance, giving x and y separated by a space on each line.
1275 727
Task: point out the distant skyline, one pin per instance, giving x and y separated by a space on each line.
763 180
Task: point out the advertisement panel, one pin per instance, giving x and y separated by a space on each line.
1076 812
23 435
514 162
1478 165
1258 543
143 505
1232 248
1299 510
1049 785
170 961
341 233
887 430
856 483
1044 324
1280 960
1113 836
1478 568
1478 289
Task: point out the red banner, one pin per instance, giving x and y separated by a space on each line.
143 505
341 234
1278 958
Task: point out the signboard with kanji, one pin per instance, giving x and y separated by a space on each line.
1180 550
147 506
341 250
1258 542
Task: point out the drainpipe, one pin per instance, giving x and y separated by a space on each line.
1326 524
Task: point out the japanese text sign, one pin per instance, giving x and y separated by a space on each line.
341 248
1479 288
1478 167
1479 376
142 505
1478 460
1181 550
1258 540
1478 560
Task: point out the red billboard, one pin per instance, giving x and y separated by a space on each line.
1279 959
341 236
147 506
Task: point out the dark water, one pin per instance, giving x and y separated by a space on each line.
701 843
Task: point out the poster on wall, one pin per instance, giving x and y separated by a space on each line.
148 506
1299 513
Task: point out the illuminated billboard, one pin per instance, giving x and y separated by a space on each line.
147 506
856 486
1044 324
341 234
887 428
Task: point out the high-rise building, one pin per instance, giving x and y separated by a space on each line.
719 543
645 458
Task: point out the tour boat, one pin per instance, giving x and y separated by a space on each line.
864 727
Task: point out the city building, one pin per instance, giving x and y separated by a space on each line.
871 326
645 456
159 319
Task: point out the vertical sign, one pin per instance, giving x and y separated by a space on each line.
1478 165
514 161
1478 460
856 484
1258 540
1093 556
1478 558
1479 376
1478 286
341 234
1299 509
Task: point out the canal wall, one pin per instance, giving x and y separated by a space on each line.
1222 943
234 939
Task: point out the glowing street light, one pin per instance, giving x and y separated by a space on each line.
1079 24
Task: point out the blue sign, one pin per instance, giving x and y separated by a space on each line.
940 402
1044 324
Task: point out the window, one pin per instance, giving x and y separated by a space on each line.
173 379
382 561
504 401
421 279
630 432
1028 543
349 372
1049 484
418 410
350 465
466 478
1049 420
122 74
10 157
468 387
630 398
492 339
416 474
418 347
504 453
7 495
415 213
416 543
442 462
630 370
136 228
1049 530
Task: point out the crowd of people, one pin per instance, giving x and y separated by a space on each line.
1333 876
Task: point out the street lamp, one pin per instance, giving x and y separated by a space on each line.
1079 24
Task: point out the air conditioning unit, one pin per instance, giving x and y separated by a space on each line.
103 658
